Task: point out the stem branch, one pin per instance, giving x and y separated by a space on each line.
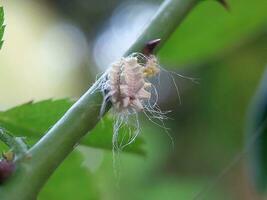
59 141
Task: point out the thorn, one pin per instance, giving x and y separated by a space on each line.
225 4
150 46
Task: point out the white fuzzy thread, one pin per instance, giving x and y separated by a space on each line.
126 84
127 91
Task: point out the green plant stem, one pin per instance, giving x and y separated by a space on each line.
52 149
170 14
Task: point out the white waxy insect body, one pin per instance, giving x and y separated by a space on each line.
127 86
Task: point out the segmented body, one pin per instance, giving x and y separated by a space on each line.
128 88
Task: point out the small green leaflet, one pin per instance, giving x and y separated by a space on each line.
2 27
33 120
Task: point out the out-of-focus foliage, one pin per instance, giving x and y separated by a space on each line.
71 182
210 29
2 27
33 120
257 136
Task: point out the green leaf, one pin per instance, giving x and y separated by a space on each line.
2 27
257 136
33 120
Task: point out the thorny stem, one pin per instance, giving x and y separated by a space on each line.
170 14
48 153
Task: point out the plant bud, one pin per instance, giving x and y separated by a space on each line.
6 169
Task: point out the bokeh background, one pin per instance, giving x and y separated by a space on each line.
55 49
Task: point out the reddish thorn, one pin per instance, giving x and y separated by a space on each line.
150 46
225 4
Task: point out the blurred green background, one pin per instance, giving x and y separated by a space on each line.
55 49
